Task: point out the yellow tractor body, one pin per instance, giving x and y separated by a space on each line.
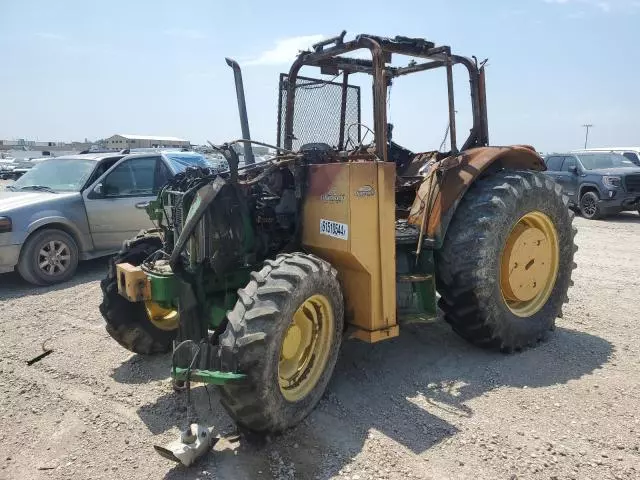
349 220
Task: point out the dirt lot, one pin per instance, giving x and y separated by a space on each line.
425 405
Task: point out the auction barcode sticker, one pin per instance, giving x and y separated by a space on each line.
334 229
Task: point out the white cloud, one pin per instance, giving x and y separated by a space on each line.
185 33
49 36
285 50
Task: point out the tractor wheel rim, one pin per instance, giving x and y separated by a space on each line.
529 264
305 348
163 318
589 206
54 258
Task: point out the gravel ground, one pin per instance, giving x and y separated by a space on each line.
425 405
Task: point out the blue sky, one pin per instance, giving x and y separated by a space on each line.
76 69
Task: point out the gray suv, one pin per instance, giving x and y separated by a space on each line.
80 207
598 184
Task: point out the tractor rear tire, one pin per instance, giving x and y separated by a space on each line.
474 269
258 338
128 322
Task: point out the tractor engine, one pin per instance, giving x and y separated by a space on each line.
245 223
274 206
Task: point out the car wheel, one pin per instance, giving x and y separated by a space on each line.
48 257
589 207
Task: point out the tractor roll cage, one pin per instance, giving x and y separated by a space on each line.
327 56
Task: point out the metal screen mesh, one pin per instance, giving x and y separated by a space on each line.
316 118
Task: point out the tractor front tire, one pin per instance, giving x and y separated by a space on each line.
128 323
505 266
284 333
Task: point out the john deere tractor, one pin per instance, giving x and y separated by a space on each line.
255 276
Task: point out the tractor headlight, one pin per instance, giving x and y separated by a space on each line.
611 182
5 224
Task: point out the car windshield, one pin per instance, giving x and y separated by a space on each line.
60 175
180 161
605 160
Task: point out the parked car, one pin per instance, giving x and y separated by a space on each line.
632 153
154 150
79 207
12 169
598 184
7 166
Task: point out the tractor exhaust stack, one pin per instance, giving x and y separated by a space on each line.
242 109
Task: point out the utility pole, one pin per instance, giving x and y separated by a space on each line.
586 136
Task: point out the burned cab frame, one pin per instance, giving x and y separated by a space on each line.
329 56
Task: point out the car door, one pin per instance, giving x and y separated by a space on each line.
554 163
568 177
116 202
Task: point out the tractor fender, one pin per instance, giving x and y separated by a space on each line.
447 181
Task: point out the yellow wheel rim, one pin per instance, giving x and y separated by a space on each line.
529 264
160 317
305 348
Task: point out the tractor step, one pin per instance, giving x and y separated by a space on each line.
207 376
414 278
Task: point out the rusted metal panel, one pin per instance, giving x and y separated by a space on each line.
452 108
454 175
343 110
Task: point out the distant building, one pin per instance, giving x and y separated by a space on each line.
122 141
23 144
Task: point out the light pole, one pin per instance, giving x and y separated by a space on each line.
586 135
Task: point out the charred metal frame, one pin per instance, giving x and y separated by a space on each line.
327 56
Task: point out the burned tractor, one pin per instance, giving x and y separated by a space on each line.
256 275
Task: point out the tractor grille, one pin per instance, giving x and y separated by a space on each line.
175 211
317 112
197 245
178 218
632 183
218 238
